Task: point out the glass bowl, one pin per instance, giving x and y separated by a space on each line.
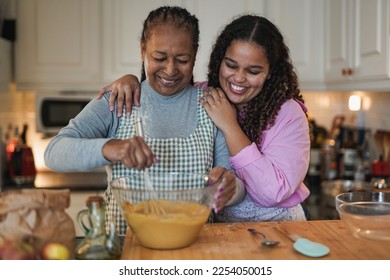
366 214
172 215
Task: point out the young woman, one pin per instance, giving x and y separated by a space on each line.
252 95
179 132
264 123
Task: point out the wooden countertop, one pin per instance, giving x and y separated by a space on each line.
232 241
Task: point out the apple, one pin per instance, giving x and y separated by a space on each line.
16 250
55 251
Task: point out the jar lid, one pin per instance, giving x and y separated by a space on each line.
94 199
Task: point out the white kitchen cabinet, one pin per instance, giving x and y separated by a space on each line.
357 44
85 44
301 23
58 44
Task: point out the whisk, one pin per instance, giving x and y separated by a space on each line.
152 206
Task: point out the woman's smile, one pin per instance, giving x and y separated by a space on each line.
237 89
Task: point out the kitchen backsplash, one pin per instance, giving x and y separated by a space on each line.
375 114
17 108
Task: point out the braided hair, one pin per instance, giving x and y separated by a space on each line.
261 112
177 16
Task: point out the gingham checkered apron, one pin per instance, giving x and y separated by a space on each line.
193 154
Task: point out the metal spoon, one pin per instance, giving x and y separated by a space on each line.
266 242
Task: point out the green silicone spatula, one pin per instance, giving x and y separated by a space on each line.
307 247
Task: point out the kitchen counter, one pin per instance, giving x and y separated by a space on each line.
78 181
231 241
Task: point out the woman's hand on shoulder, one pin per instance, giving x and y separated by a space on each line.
226 186
126 90
219 108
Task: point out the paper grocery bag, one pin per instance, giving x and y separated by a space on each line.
37 217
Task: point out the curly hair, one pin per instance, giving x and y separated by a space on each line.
261 112
177 16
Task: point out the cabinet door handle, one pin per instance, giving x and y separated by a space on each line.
346 71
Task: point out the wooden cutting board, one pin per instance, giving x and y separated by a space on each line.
232 241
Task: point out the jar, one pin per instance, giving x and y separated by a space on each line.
97 245
329 160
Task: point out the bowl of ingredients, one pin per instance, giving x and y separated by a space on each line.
165 210
366 214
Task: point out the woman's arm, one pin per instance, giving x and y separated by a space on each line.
234 191
87 143
125 90
78 146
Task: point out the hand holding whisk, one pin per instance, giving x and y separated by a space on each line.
153 206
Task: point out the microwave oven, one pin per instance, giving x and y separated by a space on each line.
55 110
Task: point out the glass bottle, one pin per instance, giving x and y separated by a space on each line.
13 142
329 160
349 157
97 245
366 155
